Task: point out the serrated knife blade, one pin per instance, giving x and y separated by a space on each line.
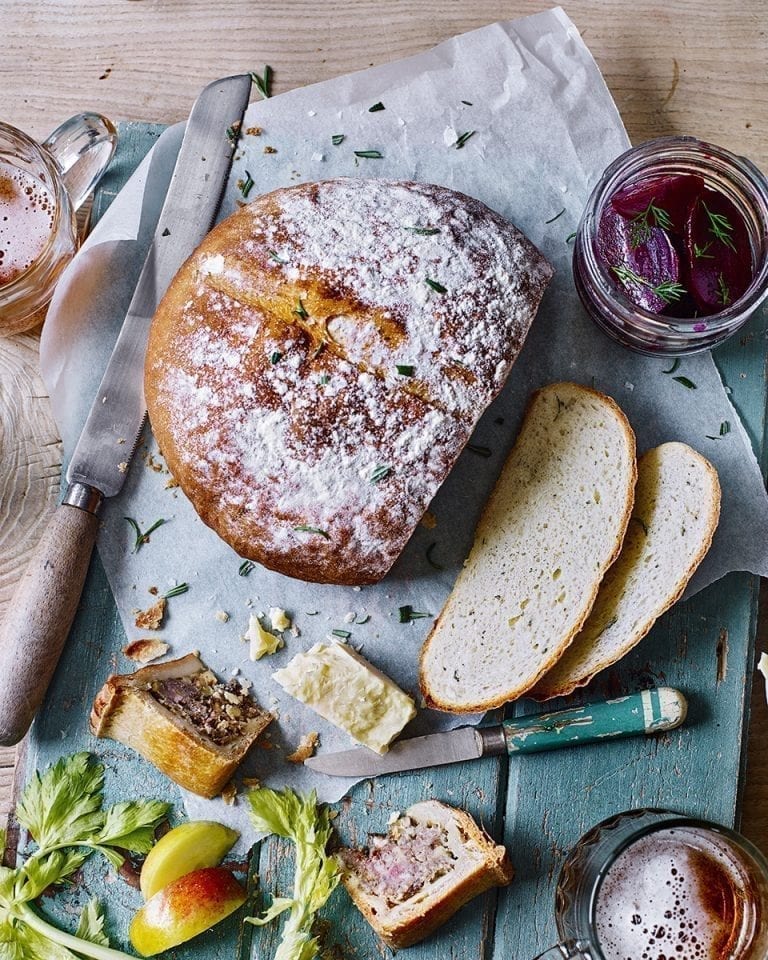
44 604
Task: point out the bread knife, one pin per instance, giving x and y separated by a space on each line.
650 711
44 604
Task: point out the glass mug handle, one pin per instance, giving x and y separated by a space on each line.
82 147
570 950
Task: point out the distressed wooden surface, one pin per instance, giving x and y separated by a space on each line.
693 67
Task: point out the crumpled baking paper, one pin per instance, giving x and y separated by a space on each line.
543 129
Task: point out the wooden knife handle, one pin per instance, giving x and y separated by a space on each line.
39 617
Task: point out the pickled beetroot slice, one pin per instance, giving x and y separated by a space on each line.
675 194
717 253
655 259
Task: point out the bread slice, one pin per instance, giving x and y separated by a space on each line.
433 860
181 718
677 506
552 527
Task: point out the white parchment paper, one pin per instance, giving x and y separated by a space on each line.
545 128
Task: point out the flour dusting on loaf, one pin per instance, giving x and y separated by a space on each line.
320 361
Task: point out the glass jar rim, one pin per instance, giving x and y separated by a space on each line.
631 162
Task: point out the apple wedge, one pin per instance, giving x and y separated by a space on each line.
188 906
188 847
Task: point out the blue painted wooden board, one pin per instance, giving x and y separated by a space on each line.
539 804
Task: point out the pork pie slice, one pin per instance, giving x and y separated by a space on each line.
183 719
433 860
320 361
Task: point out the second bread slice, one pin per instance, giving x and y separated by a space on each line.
677 507
552 526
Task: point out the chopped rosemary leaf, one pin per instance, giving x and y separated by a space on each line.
423 231
467 103
275 357
176 591
376 107
299 309
480 451
142 538
571 236
674 366
556 216
246 185
233 133
710 437
324 379
407 613
337 139
437 287
343 634
274 255
245 568
365 619
405 370
380 473
689 384
304 528
263 82
462 139
433 563
725 427
369 154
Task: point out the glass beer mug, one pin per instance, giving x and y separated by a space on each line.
655 885
41 188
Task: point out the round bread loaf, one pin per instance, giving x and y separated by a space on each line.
319 362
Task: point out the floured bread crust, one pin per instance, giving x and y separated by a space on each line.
318 364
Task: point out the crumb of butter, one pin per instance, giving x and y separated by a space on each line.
305 749
262 642
152 617
279 619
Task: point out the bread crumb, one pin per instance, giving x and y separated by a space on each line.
120 440
254 131
151 618
305 749
123 467
269 150
170 483
222 615
253 783
144 651
154 591
229 794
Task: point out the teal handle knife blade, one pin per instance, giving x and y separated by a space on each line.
646 712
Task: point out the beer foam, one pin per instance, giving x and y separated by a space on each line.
676 894
26 221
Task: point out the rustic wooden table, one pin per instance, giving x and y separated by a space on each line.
682 67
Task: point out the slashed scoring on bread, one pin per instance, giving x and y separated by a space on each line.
320 361
551 528
433 860
677 506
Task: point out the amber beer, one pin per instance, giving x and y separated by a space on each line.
26 221
683 892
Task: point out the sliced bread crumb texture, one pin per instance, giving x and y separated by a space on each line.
552 526
677 506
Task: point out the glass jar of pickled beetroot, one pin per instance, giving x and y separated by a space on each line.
671 254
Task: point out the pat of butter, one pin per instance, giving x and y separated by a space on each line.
262 642
348 691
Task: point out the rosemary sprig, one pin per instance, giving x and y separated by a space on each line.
304 528
142 538
380 473
263 83
406 614
462 139
720 227
337 139
245 568
667 290
556 216
434 285
369 154
176 591
246 185
376 107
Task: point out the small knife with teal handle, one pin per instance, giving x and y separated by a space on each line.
650 711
